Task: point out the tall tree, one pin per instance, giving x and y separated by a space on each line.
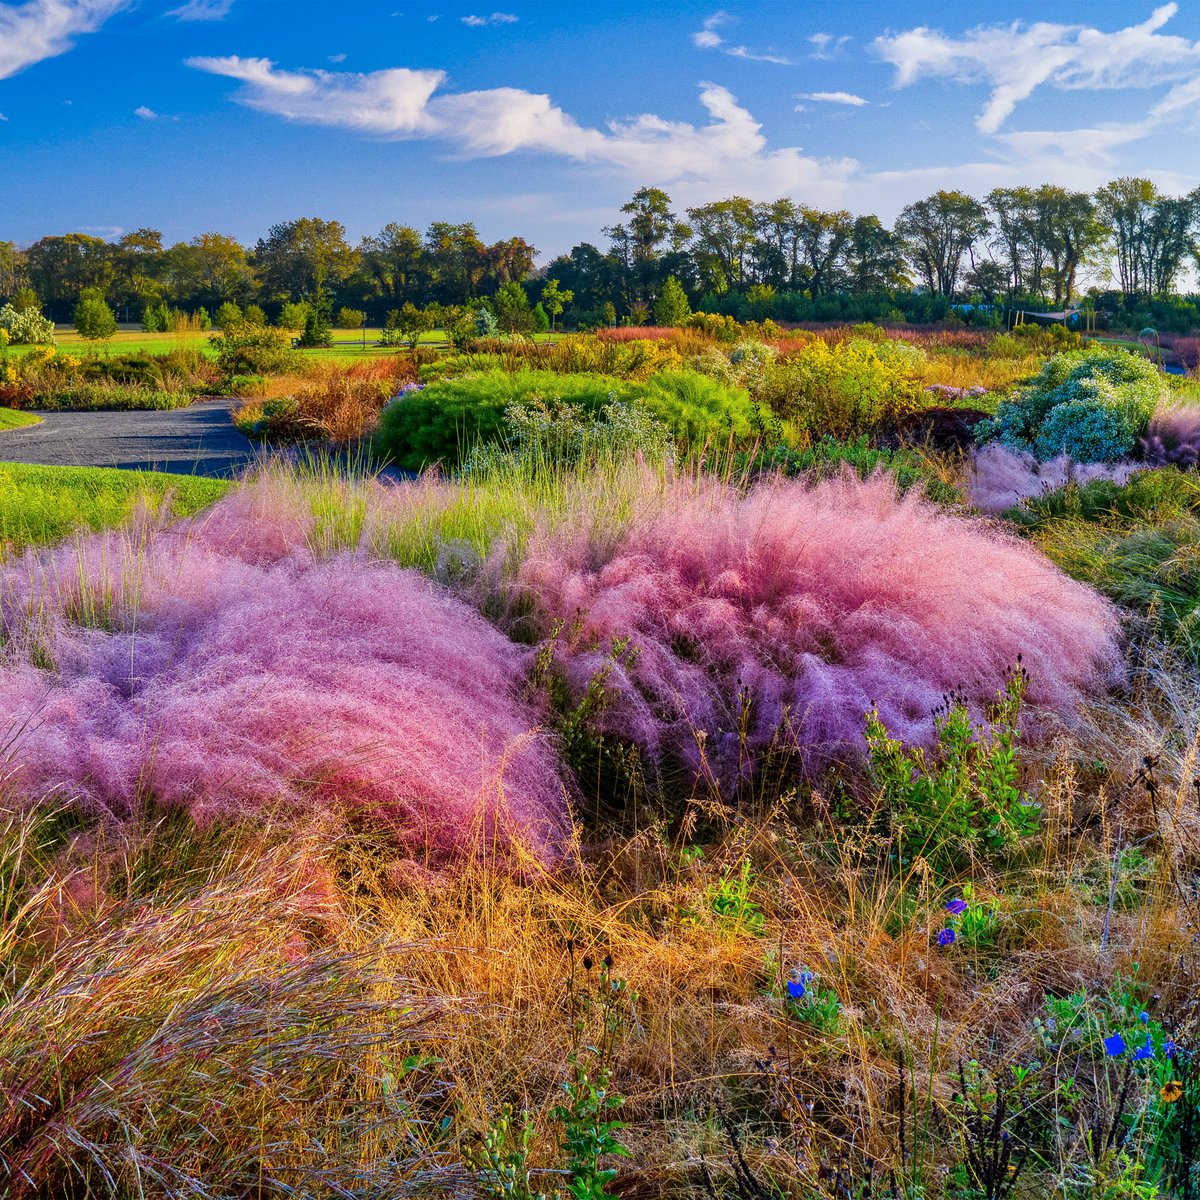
395 261
875 258
12 269
1124 208
304 259
60 268
725 232
456 260
939 232
1068 235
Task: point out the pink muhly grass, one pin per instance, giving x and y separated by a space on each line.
1173 437
810 605
220 667
1002 478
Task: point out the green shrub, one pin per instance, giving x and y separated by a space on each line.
1090 404
294 316
71 397
447 419
156 318
317 330
94 320
829 456
248 349
962 802
1135 543
696 408
350 318
444 421
228 314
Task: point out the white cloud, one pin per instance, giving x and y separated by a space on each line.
827 45
848 98
497 18
727 153
3 117
147 114
202 10
41 29
707 38
1015 60
337 58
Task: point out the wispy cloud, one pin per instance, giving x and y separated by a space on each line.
497 18
827 46
41 29
202 10
707 38
147 114
1015 60
848 98
729 151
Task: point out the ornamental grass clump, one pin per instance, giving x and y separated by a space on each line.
1090 404
723 625
221 666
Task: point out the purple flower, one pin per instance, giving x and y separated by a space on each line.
1169 1047
1114 1044
956 907
797 991
1145 1051
946 937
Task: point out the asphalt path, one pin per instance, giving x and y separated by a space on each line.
197 440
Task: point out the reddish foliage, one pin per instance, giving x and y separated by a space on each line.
639 333
1184 350
807 605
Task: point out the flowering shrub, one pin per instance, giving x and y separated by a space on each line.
1092 405
538 434
220 667
26 326
844 389
781 617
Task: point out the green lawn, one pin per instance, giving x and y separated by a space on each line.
12 418
39 505
130 339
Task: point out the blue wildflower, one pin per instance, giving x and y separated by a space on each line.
946 937
1169 1047
1145 1051
1144 1017
956 907
796 991
1114 1044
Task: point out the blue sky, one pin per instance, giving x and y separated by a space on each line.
540 119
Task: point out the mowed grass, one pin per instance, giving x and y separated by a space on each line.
39 505
131 339
12 418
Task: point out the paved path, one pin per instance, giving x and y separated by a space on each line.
197 440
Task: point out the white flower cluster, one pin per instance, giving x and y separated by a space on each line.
27 327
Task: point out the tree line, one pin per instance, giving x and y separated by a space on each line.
1021 245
